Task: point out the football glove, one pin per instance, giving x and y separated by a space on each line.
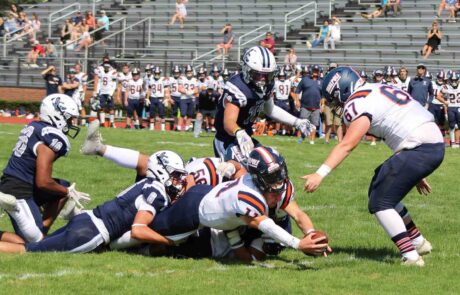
95 104
304 126
77 197
245 142
147 102
226 169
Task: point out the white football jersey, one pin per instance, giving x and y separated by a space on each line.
204 171
282 89
453 96
222 206
402 85
286 199
189 85
174 86
146 79
436 90
216 85
395 116
123 80
157 87
82 79
107 82
135 88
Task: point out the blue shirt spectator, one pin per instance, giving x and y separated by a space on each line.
104 19
311 93
78 19
420 87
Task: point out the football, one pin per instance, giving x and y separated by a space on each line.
318 234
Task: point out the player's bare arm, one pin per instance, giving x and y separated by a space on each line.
230 117
44 171
141 231
302 220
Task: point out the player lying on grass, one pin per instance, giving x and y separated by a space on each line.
91 230
409 130
230 205
28 174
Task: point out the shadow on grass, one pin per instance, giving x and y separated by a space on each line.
273 262
376 254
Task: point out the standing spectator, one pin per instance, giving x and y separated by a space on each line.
77 19
227 43
420 87
2 27
181 13
434 40
310 99
35 53
451 5
334 35
53 81
322 35
90 21
290 58
269 42
66 31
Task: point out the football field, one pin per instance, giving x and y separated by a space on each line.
364 261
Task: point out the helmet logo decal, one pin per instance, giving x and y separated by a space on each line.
333 82
163 158
253 162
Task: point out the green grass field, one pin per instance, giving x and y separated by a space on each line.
364 260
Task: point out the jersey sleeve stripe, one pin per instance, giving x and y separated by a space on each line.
212 171
252 200
288 195
359 94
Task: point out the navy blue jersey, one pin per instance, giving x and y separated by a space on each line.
70 92
22 163
249 102
118 214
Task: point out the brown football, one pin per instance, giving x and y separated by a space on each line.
318 234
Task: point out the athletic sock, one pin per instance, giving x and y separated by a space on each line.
102 118
163 127
452 136
411 228
112 118
404 243
122 157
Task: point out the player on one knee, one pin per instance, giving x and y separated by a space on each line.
245 96
134 99
408 129
28 174
158 91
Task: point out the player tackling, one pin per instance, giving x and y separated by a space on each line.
409 130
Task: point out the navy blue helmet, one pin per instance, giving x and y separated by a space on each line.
267 169
340 83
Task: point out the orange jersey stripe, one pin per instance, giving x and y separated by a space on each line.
288 195
253 201
212 171
361 93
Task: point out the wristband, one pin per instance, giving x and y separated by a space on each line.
236 130
324 170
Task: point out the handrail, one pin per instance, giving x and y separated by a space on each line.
94 6
255 38
203 55
286 16
371 2
5 37
51 20
149 49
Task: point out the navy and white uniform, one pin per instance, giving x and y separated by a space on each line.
453 111
251 104
88 231
157 94
282 92
175 94
106 88
408 129
436 108
19 177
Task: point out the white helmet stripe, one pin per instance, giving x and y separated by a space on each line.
263 56
265 154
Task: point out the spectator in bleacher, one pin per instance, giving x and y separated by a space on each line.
11 25
36 24
290 58
322 35
180 14
53 81
15 10
376 13
85 39
22 19
227 43
334 35
35 54
420 87
50 50
442 6
269 42
77 19
76 33
394 5
434 40
66 31
310 87
104 21
2 27
90 20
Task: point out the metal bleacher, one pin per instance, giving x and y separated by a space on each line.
142 35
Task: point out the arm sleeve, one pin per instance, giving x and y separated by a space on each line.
142 205
155 195
274 231
55 140
278 114
235 96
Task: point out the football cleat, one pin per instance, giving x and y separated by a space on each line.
7 202
93 141
417 262
424 248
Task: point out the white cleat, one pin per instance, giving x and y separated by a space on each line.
424 248
93 141
373 143
7 202
418 262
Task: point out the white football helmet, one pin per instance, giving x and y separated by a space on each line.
59 110
259 68
169 169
